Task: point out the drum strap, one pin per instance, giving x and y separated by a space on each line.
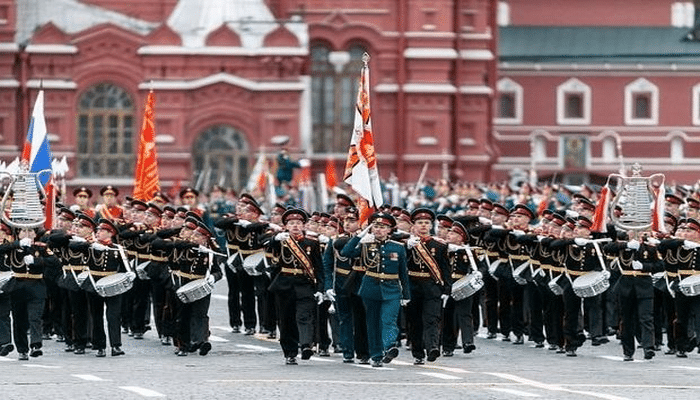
430 262
301 256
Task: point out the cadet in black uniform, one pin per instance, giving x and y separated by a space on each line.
297 284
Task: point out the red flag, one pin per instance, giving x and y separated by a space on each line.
361 168
600 216
330 174
50 207
146 181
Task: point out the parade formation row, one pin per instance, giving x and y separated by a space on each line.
431 278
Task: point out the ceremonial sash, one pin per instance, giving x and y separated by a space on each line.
428 259
104 210
301 256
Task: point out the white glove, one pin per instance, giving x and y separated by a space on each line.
581 241
282 236
319 297
131 275
323 238
243 222
444 298
404 302
606 274
412 242
364 231
99 246
274 227
633 244
517 232
28 259
653 241
637 265
211 279
26 242
77 239
451 248
689 244
484 221
330 295
368 238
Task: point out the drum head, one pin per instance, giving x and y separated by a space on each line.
111 279
586 280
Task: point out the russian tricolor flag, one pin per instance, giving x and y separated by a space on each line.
37 154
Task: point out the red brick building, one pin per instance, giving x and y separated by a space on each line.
587 85
233 78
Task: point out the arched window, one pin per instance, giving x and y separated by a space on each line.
220 157
609 149
677 153
334 83
105 132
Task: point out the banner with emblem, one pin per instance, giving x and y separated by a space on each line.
146 179
361 171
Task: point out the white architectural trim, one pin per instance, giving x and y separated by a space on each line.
429 88
475 89
676 142
51 84
507 85
430 53
477 55
503 14
641 85
51 49
223 77
696 104
221 51
305 124
573 85
386 88
9 83
9 47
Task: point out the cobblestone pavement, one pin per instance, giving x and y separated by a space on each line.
252 367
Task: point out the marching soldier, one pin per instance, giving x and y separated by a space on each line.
297 284
104 259
638 261
82 197
6 346
28 260
463 262
384 285
342 279
109 209
430 280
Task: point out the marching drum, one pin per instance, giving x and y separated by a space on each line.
5 279
195 290
522 275
559 284
82 277
113 285
141 271
254 264
690 286
591 284
467 286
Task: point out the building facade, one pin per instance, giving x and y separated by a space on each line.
587 88
236 78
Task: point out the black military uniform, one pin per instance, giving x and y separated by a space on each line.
298 278
638 261
431 279
28 261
